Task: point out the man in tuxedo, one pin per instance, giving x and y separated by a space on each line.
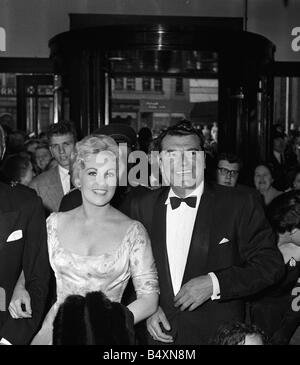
212 244
23 250
54 183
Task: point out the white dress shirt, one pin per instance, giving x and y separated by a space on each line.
65 179
278 156
179 229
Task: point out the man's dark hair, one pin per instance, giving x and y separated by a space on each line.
14 167
276 134
235 334
93 320
42 145
31 141
230 157
182 128
61 128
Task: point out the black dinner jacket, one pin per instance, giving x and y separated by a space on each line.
21 210
247 263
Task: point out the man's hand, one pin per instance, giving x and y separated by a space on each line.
194 293
20 296
153 326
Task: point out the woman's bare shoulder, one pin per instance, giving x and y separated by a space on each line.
68 216
122 219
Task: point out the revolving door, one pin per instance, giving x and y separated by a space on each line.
153 75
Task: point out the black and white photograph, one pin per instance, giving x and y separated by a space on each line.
149 175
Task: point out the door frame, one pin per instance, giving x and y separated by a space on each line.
24 81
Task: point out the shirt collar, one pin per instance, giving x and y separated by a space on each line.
197 192
277 154
63 171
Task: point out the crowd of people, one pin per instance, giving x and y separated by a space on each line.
198 258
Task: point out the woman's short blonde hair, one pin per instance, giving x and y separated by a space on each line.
92 145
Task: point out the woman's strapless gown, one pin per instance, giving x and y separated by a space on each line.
77 274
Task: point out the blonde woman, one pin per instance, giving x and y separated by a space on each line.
95 247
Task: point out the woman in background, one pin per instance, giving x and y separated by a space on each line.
42 156
263 180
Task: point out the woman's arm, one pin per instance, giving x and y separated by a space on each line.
144 307
20 296
144 276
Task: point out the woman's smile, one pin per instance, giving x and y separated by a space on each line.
99 191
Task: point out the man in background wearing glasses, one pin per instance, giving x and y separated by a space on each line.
228 168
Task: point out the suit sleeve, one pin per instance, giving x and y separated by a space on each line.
287 328
261 262
36 270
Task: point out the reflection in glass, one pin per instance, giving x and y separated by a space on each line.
175 61
167 100
40 109
8 100
286 102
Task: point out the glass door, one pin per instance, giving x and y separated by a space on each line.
35 103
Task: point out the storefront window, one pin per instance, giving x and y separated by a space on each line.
119 83
8 100
286 102
158 84
179 85
198 102
130 83
146 83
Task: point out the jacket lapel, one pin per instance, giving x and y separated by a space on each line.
55 191
198 252
159 245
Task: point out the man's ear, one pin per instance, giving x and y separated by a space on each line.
77 182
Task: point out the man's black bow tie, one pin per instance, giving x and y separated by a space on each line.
190 201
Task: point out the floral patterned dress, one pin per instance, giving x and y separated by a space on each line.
77 274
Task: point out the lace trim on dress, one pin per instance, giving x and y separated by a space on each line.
52 224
